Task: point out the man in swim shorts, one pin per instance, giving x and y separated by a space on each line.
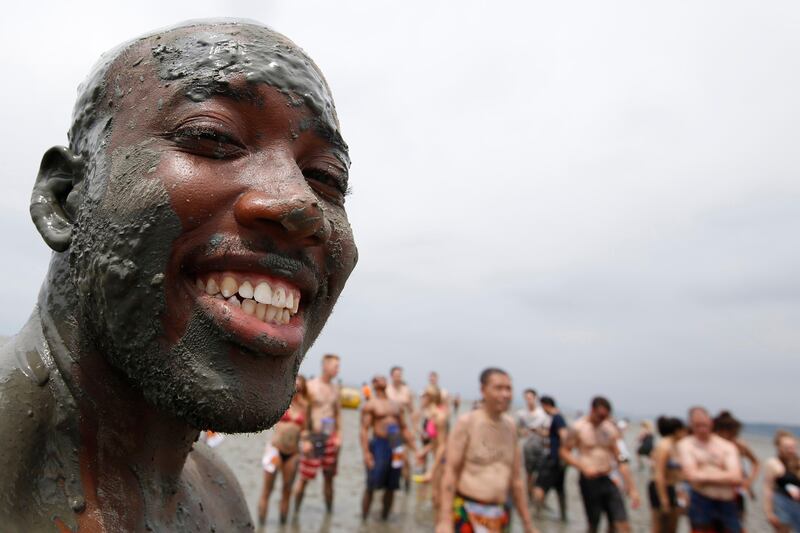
483 464
596 438
321 446
384 453
712 467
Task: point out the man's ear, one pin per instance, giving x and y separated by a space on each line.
53 215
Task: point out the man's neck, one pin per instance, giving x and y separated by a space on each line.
494 414
123 440
326 378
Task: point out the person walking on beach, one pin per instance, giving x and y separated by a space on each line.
728 427
667 500
645 440
533 426
483 464
596 438
782 485
399 392
712 467
384 453
552 473
282 453
321 450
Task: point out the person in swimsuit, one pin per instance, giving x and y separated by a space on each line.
728 427
399 392
321 448
436 429
597 439
712 467
666 499
384 453
782 485
483 465
282 452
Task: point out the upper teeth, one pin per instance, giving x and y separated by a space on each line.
272 303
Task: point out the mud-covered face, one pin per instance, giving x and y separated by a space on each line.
217 242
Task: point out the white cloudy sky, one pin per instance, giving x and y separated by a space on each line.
596 196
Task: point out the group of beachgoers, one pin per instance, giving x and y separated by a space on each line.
490 461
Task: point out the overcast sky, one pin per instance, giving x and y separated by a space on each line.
599 197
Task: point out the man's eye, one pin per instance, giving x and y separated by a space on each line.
208 143
327 184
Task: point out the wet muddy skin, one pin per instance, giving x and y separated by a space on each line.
209 147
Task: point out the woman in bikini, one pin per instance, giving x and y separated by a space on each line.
435 428
282 452
666 499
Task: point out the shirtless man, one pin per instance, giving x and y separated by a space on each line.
199 243
400 393
596 438
483 463
384 453
712 467
321 447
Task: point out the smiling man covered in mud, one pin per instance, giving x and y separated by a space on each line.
199 243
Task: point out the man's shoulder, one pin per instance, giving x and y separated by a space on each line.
724 444
222 491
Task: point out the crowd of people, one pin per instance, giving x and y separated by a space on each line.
484 463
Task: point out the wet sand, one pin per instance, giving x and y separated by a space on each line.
412 512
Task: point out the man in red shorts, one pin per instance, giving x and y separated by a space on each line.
321 445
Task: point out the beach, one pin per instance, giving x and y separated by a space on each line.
412 511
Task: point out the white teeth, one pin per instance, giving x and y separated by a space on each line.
296 304
219 296
279 297
200 285
246 290
263 293
249 307
270 314
234 301
285 318
261 311
211 287
229 287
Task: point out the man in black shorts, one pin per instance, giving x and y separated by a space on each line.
551 475
596 438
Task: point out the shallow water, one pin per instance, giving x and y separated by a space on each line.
412 512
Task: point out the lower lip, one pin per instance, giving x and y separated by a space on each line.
284 339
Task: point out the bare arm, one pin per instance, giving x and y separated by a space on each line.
407 436
366 422
568 443
456 445
625 471
441 440
518 492
748 454
770 473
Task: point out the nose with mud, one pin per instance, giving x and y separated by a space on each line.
299 218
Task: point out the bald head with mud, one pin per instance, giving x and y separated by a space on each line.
200 242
